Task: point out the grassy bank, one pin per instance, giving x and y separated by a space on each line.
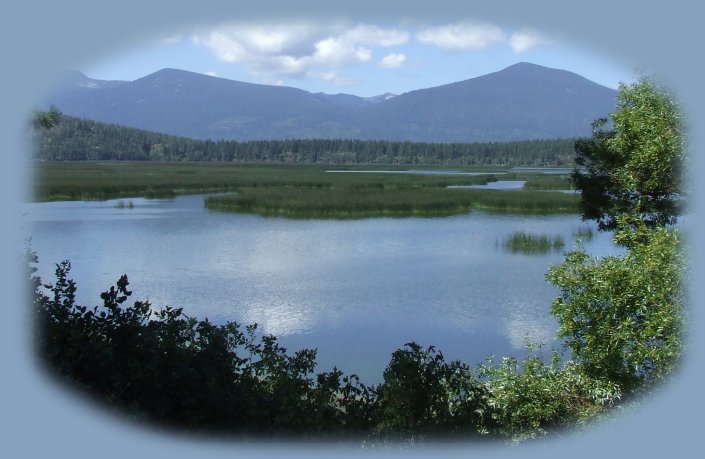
293 191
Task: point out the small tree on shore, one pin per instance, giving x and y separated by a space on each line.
622 317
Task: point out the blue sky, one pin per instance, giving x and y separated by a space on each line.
361 58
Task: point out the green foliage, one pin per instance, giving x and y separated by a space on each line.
633 168
622 317
531 399
422 395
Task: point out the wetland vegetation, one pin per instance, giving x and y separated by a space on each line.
296 191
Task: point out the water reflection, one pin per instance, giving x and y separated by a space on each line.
356 290
525 325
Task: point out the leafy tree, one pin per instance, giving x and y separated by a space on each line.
422 394
623 317
633 169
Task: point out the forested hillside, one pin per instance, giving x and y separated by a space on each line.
74 139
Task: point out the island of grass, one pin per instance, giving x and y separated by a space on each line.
530 243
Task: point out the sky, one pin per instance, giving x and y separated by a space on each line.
361 58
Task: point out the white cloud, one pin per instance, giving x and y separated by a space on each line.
212 73
234 43
392 61
375 36
298 50
462 36
524 40
338 52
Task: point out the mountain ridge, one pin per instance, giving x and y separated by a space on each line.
521 102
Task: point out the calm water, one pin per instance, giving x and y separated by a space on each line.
355 290
498 185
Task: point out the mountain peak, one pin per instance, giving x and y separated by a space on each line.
171 73
526 65
527 68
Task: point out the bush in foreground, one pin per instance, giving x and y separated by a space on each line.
178 372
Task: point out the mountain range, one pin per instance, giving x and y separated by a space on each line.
521 102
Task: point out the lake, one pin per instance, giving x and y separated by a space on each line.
354 289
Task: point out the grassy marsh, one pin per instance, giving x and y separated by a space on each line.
293 191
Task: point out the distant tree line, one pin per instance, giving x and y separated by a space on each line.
74 139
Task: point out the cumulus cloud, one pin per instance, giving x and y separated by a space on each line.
391 61
524 40
212 73
236 42
298 50
338 52
462 36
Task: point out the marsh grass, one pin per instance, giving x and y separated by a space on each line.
337 202
292 191
529 243
523 202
